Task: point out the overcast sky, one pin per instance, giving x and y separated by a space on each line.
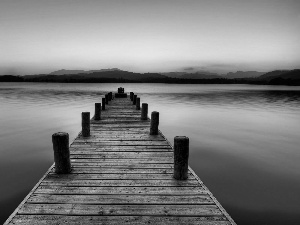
40 36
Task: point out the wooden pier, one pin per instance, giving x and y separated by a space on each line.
120 174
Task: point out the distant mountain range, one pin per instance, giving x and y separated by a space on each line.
196 75
243 74
277 77
64 72
179 75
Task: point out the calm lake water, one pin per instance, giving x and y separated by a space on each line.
244 139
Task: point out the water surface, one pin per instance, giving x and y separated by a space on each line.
244 139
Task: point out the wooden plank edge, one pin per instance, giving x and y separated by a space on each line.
209 192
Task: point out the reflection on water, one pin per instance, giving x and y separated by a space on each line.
244 139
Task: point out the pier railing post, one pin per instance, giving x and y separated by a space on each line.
134 99
181 157
144 112
85 124
138 104
61 150
154 123
97 111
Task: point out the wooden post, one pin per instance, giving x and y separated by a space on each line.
103 103
121 90
85 124
154 123
134 99
61 150
111 95
132 94
106 99
181 157
97 111
144 112
138 105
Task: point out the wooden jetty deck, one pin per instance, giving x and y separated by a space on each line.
120 175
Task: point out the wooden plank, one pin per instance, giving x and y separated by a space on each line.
96 150
141 210
121 157
129 160
119 116
122 199
112 176
122 143
117 220
122 165
51 189
92 145
105 138
127 123
92 170
125 131
124 125
120 183
124 154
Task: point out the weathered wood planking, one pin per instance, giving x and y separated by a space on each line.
120 175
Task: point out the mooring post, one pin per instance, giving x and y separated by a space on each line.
111 96
97 111
138 105
132 96
106 99
103 103
85 124
181 157
134 99
154 123
61 150
144 112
